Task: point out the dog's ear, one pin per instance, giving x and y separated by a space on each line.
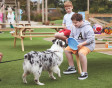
53 40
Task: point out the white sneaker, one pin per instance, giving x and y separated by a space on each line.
12 32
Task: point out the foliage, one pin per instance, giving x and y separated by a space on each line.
96 6
36 17
24 16
56 14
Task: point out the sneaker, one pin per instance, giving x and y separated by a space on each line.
83 76
12 31
70 70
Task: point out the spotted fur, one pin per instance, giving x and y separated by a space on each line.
50 60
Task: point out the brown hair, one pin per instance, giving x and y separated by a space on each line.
67 4
77 17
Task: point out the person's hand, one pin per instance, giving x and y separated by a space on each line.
67 40
80 45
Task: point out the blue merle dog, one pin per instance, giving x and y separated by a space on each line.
50 60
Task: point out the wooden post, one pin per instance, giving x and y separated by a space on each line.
43 11
22 44
18 11
46 8
28 10
4 14
88 6
78 65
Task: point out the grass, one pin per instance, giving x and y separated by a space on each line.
99 67
57 21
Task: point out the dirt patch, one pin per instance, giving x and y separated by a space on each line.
96 46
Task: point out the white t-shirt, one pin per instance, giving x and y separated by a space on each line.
10 17
67 20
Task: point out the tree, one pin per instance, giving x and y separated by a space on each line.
56 3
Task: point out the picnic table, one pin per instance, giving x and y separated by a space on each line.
23 24
14 24
20 32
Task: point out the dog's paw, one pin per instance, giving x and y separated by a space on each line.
59 76
54 78
25 82
39 83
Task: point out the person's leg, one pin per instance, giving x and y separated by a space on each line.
60 36
71 69
83 59
69 58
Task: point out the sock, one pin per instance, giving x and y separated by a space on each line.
72 67
84 73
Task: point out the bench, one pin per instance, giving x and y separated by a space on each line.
6 29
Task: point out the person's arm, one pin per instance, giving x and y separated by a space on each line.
64 22
82 44
64 26
90 38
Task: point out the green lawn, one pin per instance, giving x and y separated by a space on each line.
99 67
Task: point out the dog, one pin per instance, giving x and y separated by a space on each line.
50 60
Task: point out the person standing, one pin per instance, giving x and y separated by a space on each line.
10 18
67 22
1 15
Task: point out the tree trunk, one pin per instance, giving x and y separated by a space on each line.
88 6
4 14
28 10
46 8
43 11
38 6
18 11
